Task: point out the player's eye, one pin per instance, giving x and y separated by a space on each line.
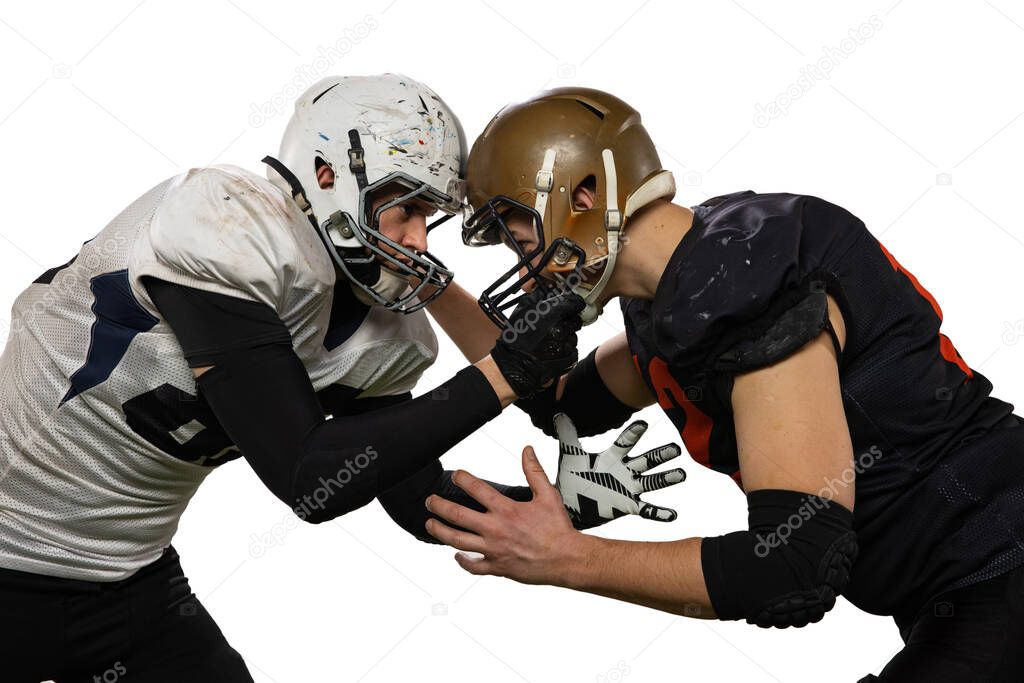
518 246
509 242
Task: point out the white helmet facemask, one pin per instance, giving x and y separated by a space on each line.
386 133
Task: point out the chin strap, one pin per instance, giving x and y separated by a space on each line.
298 193
385 283
613 227
360 276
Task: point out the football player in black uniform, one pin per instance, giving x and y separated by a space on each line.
795 355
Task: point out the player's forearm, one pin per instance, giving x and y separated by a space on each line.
498 383
665 576
462 319
326 468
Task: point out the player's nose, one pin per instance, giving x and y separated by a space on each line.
414 235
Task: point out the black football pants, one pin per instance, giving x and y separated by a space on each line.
148 628
968 635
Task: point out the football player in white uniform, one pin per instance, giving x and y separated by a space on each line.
223 315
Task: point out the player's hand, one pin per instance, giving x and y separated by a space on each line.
529 542
540 343
599 487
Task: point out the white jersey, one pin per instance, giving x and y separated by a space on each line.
102 438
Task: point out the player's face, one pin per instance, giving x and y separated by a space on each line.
525 235
522 228
405 223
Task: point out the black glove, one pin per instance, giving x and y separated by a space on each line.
586 399
539 344
542 407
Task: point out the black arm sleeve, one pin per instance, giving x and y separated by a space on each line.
262 396
404 502
586 399
210 326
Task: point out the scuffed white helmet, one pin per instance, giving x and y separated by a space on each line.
375 132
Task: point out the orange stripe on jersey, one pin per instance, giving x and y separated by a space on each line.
946 347
696 433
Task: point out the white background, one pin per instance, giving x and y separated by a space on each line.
916 128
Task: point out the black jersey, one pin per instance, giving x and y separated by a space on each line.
939 463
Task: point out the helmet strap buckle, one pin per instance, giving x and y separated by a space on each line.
612 219
545 180
356 159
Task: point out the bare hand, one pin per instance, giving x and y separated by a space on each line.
532 542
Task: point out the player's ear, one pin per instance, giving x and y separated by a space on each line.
324 174
584 193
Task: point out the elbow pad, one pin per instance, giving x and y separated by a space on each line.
586 399
788 568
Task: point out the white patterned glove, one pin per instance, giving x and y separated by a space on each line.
599 487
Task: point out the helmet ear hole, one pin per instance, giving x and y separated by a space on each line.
585 193
324 174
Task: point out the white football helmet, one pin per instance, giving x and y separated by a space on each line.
374 132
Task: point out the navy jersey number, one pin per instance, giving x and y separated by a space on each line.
176 422
181 425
